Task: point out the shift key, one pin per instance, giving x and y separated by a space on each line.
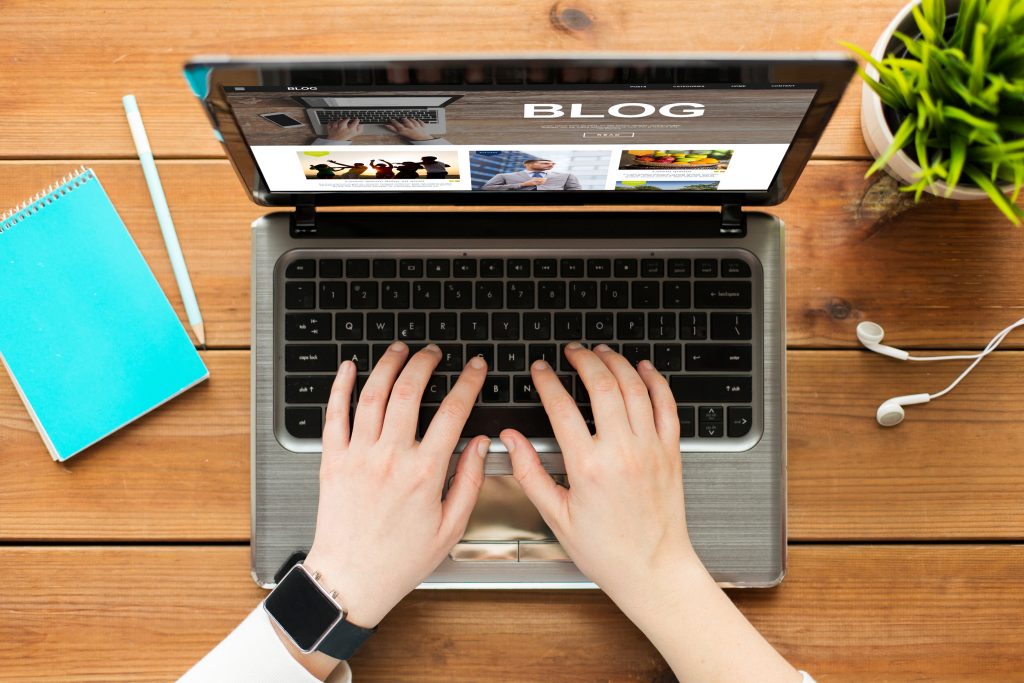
721 294
710 389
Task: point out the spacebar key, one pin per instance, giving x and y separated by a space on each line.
490 420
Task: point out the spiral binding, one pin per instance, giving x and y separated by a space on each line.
34 205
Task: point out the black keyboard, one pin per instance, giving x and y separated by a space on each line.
693 317
376 115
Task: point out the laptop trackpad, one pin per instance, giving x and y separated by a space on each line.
505 523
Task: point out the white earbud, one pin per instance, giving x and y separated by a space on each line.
891 413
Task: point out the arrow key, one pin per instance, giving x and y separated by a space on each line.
740 419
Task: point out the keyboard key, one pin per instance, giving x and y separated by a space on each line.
496 389
580 391
443 327
551 294
301 268
571 268
710 429
357 268
358 354
318 358
536 326
629 325
333 295
412 326
687 425
739 421
348 326
710 414
307 326
394 295
299 295
451 358
330 267
668 357
485 351
377 352
380 326
730 326
718 357
519 267
599 267
635 353
544 267
722 294
523 390
458 295
625 267
661 326
693 325
705 267
492 267
645 295
735 268
696 388
472 326
614 295
436 389
410 267
364 295
568 326
385 267
505 326
313 389
426 295
677 294
438 267
679 267
531 421
464 267
304 423
652 267
521 294
582 294
599 326
511 357
489 295
545 352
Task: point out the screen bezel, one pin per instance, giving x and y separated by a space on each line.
829 72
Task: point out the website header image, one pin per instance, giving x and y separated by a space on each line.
360 164
318 117
539 170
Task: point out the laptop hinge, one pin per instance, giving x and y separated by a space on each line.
304 221
734 221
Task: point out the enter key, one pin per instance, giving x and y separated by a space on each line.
718 357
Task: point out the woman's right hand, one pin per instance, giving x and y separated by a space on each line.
622 516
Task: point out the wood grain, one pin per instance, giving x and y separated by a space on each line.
952 471
844 613
944 274
141 48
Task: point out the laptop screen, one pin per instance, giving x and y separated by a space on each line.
520 140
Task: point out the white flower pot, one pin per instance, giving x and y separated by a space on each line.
875 128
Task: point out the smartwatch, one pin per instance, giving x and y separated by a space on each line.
312 616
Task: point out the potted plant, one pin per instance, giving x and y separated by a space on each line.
943 100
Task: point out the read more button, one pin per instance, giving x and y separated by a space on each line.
619 134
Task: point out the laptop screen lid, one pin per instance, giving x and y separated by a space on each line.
530 130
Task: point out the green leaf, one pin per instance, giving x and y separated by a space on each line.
1012 211
957 157
899 140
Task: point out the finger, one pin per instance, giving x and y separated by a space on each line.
336 426
605 395
666 415
548 497
566 420
404 405
465 489
633 389
443 433
390 127
373 397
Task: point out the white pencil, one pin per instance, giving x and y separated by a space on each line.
163 216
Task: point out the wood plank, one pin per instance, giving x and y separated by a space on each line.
942 275
844 613
951 471
141 48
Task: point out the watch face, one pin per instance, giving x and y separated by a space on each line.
302 609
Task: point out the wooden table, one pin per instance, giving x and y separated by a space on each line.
130 562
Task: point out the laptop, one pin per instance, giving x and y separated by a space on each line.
649 236
376 112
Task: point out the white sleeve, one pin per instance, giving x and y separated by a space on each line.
253 653
807 677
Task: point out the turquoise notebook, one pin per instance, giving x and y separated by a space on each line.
86 333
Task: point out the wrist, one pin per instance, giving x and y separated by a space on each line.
674 573
356 598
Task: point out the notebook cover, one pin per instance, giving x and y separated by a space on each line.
86 333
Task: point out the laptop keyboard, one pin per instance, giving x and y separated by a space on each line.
376 115
692 316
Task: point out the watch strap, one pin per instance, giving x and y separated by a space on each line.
344 639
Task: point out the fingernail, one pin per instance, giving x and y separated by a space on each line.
397 346
477 362
540 365
510 443
575 345
346 367
602 348
646 364
432 347
483 448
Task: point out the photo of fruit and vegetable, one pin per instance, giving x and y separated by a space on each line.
696 159
658 185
